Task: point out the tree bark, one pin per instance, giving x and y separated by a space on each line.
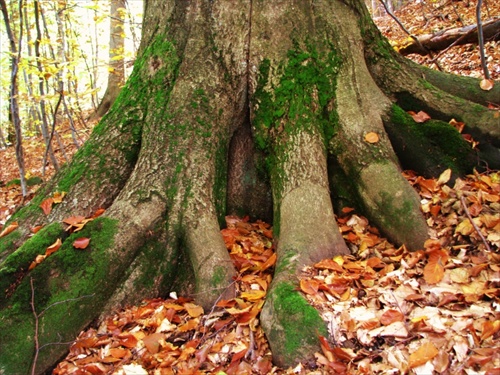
227 96
116 67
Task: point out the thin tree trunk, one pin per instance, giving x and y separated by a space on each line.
14 105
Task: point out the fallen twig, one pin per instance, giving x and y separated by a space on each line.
464 205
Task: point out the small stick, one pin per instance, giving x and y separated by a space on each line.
464 205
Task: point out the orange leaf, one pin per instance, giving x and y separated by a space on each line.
152 342
81 243
372 137
39 259
269 262
420 117
128 341
423 354
73 220
189 325
433 271
329 264
46 205
253 295
309 286
98 212
9 229
391 316
54 247
36 229
490 328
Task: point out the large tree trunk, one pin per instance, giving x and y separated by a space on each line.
304 82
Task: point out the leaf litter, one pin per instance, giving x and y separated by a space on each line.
388 310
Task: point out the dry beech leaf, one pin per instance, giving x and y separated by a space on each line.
420 117
74 220
423 354
490 328
46 205
98 212
9 229
152 342
444 177
391 316
193 310
433 271
309 286
58 197
54 247
372 137
487 84
81 243
35 229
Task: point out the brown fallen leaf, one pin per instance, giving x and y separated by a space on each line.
372 137
13 226
81 243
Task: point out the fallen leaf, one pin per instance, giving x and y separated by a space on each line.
425 353
152 342
486 84
372 137
193 310
46 205
58 197
444 177
13 226
54 247
433 271
420 117
391 316
81 243
309 286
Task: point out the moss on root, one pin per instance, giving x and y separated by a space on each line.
63 295
295 327
429 147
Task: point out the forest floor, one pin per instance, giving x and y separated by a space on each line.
388 311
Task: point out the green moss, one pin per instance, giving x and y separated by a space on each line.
8 244
301 324
294 95
15 267
218 277
69 288
32 181
454 151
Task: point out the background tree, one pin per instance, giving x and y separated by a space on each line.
116 76
308 98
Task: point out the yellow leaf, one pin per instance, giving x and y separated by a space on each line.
423 354
253 295
58 197
193 310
